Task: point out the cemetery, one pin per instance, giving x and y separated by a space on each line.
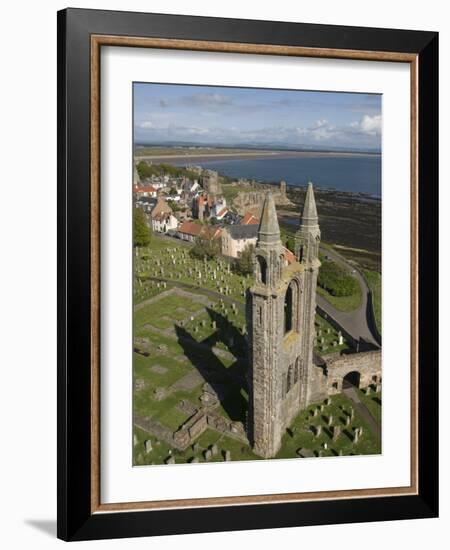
190 361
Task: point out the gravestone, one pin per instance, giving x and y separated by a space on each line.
207 454
336 432
148 446
227 456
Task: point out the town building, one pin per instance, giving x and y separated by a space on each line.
211 183
161 207
235 238
164 222
190 231
249 219
144 191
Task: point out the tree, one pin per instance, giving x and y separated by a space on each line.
205 248
336 280
244 263
141 230
290 244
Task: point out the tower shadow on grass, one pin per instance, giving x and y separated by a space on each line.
202 357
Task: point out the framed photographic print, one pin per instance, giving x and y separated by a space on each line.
247 274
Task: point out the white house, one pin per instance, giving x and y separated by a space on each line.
164 222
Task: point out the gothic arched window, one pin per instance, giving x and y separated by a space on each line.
290 377
297 370
288 306
300 254
262 269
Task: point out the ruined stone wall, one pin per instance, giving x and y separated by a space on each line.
367 364
253 200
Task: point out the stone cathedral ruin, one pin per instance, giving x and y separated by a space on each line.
283 378
281 307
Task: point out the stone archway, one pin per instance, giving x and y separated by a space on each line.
351 379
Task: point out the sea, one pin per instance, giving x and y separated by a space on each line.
353 173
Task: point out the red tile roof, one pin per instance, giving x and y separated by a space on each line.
222 212
249 219
288 255
190 228
144 189
197 230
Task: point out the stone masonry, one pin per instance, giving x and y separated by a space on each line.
280 318
283 377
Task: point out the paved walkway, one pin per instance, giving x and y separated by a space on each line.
356 322
352 394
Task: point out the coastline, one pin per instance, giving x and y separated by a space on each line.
198 157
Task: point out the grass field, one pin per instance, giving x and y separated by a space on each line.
343 303
200 329
299 436
302 436
374 282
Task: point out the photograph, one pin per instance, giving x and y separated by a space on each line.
257 274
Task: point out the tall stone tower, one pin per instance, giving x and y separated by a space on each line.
280 319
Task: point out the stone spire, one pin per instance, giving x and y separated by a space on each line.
309 217
307 238
269 230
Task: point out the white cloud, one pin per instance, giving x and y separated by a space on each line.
363 133
370 125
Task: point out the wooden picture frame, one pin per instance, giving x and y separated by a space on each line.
81 35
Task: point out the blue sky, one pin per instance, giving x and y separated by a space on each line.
218 115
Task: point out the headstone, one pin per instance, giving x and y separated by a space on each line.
194 460
207 454
318 430
214 449
348 421
148 446
336 432
170 460
227 456
330 420
135 439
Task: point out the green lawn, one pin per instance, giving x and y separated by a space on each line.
299 436
339 408
165 312
343 303
330 336
171 261
373 403
374 282
220 326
